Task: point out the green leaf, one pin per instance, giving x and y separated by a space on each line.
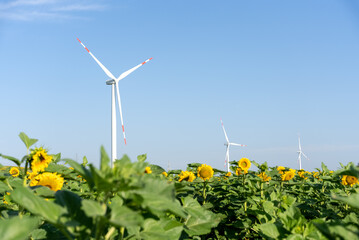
105 160
161 229
84 161
17 228
38 234
26 140
352 200
93 209
270 230
37 205
199 220
3 187
84 172
122 216
14 160
72 202
142 158
158 196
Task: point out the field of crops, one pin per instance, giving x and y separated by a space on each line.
46 197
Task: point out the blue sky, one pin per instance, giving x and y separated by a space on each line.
269 69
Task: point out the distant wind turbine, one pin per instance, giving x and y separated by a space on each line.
114 83
300 153
229 144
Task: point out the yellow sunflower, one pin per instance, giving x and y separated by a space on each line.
302 174
148 170
264 177
316 175
349 180
188 176
164 174
53 181
31 175
228 174
280 169
240 171
39 159
288 175
14 172
244 163
205 172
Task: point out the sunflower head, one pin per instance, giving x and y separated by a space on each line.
349 180
302 174
187 176
53 181
14 171
228 174
205 172
264 177
244 163
288 175
164 174
39 159
148 170
280 169
240 171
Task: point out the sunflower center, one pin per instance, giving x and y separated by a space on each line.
205 173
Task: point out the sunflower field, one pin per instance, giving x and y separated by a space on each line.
47 197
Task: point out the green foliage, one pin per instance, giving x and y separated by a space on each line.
121 200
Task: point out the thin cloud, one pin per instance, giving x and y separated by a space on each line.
30 10
79 7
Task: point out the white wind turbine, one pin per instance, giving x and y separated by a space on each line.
300 153
229 144
114 82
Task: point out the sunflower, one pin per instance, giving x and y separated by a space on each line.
14 172
302 174
39 159
244 163
53 181
264 177
188 176
148 170
316 175
205 172
288 175
164 174
240 171
31 175
228 174
280 169
349 180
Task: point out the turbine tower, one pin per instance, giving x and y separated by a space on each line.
115 92
300 153
227 144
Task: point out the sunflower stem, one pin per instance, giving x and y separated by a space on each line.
204 192
25 171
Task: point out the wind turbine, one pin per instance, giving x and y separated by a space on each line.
300 153
114 83
229 144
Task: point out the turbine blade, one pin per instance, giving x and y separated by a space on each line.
237 144
305 156
119 106
128 72
300 148
108 73
225 134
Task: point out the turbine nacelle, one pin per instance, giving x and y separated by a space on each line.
110 82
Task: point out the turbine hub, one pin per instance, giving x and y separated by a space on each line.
110 82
